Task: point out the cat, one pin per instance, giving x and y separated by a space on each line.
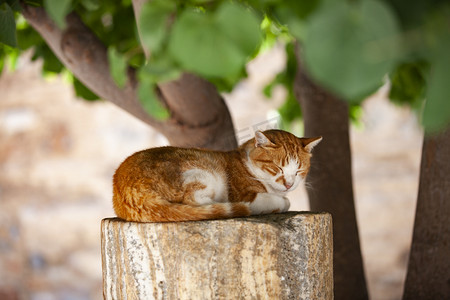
182 184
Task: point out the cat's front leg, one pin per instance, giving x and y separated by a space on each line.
265 203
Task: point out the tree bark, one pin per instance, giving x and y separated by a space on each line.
428 274
278 256
199 116
330 179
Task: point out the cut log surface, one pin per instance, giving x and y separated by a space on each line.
277 256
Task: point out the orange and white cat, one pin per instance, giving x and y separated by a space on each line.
178 184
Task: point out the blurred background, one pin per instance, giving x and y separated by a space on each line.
58 154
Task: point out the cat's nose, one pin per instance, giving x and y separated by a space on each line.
287 185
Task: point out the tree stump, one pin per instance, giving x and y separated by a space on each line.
278 256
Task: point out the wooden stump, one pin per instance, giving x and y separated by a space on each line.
278 256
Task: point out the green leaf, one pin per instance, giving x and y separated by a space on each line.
199 45
91 4
436 115
287 17
7 26
118 66
27 38
201 1
160 70
51 62
350 46
9 56
301 9
82 91
290 110
411 13
294 13
210 46
58 10
15 5
408 84
240 25
2 58
149 100
153 23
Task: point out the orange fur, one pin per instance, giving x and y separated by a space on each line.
178 184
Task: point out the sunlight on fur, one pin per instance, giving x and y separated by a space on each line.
178 184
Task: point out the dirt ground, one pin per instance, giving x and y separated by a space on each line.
58 154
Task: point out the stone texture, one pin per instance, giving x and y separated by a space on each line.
278 256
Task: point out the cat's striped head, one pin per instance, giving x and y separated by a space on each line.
279 159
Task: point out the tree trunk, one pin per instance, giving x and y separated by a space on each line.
199 116
279 256
330 179
428 274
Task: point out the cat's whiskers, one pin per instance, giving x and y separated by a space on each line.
308 185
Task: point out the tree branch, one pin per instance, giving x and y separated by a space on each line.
195 105
137 7
198 115
85 55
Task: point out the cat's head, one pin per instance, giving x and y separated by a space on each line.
279 159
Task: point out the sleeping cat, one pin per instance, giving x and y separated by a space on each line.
178 184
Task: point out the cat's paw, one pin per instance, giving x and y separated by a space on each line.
287 204
265 203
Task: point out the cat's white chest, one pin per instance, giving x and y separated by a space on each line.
216 188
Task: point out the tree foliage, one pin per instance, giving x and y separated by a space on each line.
350 47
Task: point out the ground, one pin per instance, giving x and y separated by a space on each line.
58 154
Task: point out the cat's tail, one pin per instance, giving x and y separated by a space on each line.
165 211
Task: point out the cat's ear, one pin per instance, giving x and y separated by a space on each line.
261 140
310 143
